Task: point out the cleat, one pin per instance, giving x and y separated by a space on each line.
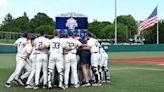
44 87
7 85
108 81
20 82
86 85
49 85
15 82
103 81
76 85
36 87
61 86
66 86
28 87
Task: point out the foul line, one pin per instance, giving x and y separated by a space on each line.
137 68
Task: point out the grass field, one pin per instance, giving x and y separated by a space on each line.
126 77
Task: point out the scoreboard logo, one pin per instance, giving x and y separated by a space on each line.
71 23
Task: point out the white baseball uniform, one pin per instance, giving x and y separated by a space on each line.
32 58
104 71
56 59
71 60
20 45
22 62
95 57
41 59
104 58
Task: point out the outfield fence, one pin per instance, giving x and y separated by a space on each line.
7 48
133 48
10 35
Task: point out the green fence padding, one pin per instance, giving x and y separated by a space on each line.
130 48
7 49
108 48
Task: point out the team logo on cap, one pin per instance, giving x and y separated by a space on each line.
71 23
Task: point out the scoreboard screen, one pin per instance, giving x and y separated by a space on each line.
81 21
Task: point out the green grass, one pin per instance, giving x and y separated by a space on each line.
126 77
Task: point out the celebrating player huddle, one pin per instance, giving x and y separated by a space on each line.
62 61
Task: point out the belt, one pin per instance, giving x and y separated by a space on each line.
94 52
23 58
56 52
85 50
69 53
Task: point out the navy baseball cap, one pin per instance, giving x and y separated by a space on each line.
32 37
89 34
63 35
76 34
25 34
70 33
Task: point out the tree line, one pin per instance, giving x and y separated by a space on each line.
126 27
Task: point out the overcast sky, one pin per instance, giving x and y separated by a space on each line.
102 10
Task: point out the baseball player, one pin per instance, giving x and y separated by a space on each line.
71 60
20 44
94 45
105 74
56 59
23 61
41 44
32 58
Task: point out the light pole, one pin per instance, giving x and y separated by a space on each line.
115 39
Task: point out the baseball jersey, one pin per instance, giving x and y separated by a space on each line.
102 50
20 44
94 44
25 51
56 45
70 42
41 41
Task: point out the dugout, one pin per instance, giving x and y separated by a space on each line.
75 22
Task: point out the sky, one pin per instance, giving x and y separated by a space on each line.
101 10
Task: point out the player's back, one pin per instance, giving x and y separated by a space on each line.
20 43
56 45
70 42
94 44
41 41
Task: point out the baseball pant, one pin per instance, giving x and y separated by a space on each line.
41 63
70 61
56 59
20 65
32 74
95 57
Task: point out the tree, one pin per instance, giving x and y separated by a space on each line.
95 27
41 19
8 19
108 32
23 23
7 23
131 24
47 28
150 34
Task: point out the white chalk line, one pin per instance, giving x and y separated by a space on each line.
138 68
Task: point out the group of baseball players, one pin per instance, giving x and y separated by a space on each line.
62 61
